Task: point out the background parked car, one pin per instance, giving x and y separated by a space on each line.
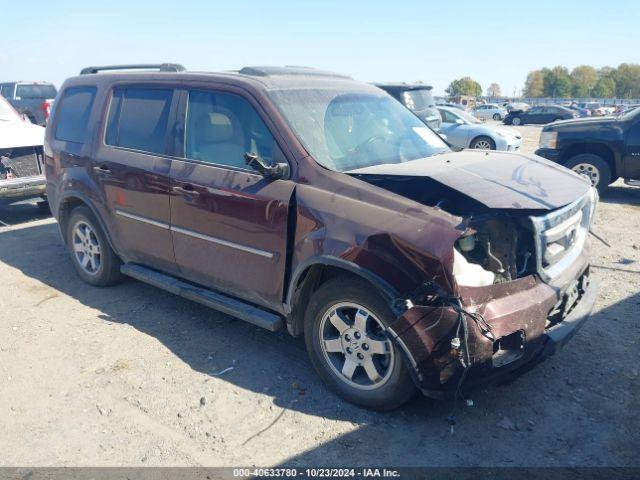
465 131
517 107
582 112
490 111
33 99
21 155
417 98
540 115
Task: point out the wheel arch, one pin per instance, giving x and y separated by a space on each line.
595 148
69 201
482 135
315 271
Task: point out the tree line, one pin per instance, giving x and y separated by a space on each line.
583 81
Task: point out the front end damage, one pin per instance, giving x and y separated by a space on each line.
521 289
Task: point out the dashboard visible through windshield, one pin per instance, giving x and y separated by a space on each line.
347 130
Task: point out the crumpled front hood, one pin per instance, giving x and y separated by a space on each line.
20 134
495 179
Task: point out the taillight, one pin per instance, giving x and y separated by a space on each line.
46 108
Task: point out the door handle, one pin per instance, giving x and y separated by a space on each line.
103 169
186 190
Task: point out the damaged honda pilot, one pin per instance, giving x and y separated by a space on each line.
300 198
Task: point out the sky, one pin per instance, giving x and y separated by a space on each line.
433 42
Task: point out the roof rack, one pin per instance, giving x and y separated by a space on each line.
162 67
267 71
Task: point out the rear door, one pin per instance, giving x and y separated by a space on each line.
228 222
131 168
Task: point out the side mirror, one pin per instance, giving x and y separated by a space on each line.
275 171
459 122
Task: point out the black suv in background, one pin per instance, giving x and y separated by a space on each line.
33 99
603 149
417 98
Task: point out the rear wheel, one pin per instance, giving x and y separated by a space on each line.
592 166
483 143
91 254
344 334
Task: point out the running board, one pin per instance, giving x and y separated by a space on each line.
632 183
209 298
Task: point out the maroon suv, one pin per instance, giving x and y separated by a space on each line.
291 196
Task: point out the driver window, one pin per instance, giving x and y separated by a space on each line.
447 117
222 127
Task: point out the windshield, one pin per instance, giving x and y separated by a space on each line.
418 99
344 130
7 113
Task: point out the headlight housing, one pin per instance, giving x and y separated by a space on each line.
549 140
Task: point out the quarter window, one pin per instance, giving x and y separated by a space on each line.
73 114
222 127
138 118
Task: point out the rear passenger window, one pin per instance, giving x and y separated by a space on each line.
73 114
138 118
222 127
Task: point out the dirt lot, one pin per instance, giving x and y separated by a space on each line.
134 376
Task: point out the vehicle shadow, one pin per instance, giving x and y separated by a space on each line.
26 211
621 194
548 410
192 332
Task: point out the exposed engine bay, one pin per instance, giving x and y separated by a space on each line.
497 245
20 162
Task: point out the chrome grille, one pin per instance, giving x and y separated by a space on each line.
561 235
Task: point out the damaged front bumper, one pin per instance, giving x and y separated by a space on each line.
23 187
529 321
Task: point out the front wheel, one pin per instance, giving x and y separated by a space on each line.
344 334
593 167
516 121
483 143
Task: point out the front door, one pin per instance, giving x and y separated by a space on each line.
132 171
631 162
228 222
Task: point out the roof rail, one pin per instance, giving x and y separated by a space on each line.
268 71
162 67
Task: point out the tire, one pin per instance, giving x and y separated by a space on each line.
496 116
516 121
351 346
592 166
483 143
86 239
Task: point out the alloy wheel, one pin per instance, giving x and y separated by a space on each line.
86 248
482 145
355 347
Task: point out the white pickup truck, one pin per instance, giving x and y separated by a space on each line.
21 155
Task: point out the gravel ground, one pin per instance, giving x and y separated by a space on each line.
133 376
